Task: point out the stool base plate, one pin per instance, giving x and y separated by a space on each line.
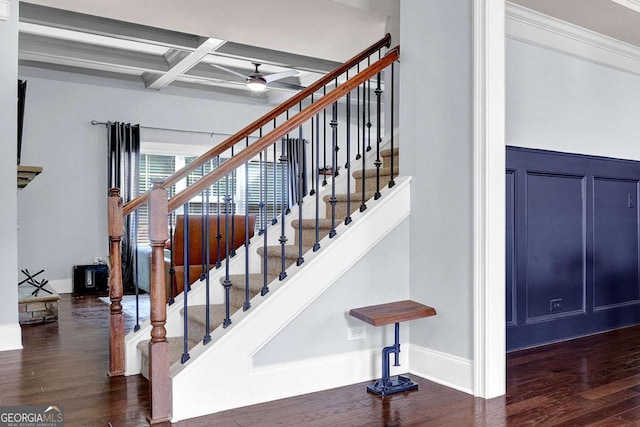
393 385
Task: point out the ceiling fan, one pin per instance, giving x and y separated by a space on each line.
258 82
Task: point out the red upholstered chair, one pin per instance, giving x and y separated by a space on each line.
196 235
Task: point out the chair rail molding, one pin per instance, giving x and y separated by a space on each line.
542 30
5 9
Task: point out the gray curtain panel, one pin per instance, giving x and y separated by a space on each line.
124 173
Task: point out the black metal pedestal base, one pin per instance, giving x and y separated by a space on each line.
393 385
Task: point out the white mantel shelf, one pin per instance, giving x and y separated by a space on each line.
5 10
26 174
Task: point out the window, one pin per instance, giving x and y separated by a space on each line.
242 185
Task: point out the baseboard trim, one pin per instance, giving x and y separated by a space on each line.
10 337
63 286
442 368
297 378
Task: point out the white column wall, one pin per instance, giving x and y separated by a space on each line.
10 334
436 123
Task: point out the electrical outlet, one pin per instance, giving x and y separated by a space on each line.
555 304
357 333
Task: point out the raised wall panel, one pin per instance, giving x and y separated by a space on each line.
576 241
615 243
555 248
510 273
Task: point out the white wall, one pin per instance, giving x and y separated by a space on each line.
63 212
321 329
10 336
436 126
562 103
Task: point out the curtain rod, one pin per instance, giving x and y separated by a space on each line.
95 123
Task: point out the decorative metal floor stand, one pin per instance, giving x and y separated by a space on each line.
389 385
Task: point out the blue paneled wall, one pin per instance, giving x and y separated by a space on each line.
572 240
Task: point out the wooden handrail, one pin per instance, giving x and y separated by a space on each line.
291 124
270 116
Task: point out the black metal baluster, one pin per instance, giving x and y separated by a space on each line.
316 178
233 208
313 186
334 151
363 204
368 95
185 289
227 281
324 136
202 226
136 273
347 166
265 257
289 180
172 271
262 202
218 215
378 163
247 296
207 239
392 182
274 220
358 155
283 236
300 190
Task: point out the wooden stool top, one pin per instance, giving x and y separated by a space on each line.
394 312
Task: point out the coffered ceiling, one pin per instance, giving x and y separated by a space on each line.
160 43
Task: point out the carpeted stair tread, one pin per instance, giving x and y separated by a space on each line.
176 348
341 203
371 173
387 152
308 230
355 197
256 281
323 223
237 294
290 251
197 315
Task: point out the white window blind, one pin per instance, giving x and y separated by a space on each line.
242 185
152 166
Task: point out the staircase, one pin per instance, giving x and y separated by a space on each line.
338 115
196 314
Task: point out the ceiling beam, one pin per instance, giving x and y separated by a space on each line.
183 64
58 18
37 48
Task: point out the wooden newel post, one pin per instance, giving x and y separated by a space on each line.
116 324
159 381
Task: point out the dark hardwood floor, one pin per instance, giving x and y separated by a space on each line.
593 381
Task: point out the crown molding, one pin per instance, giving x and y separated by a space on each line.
631 4
5 9
533 27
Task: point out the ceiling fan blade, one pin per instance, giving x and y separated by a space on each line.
229 71
284 85
278 76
